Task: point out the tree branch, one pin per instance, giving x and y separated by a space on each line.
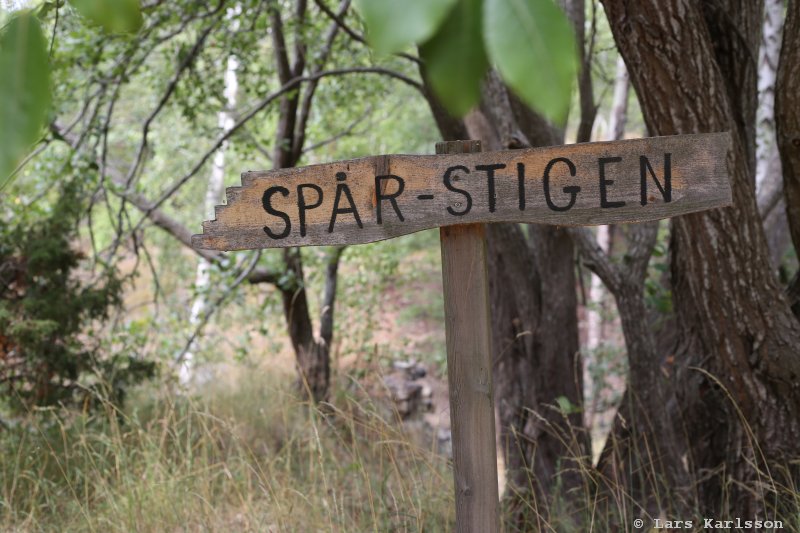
243 275
305 107
344 133
173 188
173 84
595 258
339 20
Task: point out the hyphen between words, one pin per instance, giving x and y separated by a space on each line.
389 188
381 197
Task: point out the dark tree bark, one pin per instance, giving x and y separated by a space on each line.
576 11
312 352
632 461
736 362
535 336
787 117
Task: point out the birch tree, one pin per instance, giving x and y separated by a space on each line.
214 190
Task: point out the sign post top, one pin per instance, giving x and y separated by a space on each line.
381 197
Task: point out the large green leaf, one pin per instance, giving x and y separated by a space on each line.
533 46
115 16
455 58
393 25
24 89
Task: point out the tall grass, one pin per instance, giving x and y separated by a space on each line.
249 457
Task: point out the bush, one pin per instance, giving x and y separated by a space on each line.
46 312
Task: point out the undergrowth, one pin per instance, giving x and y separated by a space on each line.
245 458
248 455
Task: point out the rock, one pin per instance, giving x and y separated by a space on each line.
412 368
407 395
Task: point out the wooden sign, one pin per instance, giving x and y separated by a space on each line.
380 197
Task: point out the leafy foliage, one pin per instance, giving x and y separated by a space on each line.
45 311
533 46
530 42
456 60
115 16
24 89
396 25
25 86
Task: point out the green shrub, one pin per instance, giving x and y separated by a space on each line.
47 309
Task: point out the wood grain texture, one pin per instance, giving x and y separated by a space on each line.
591 183
469 369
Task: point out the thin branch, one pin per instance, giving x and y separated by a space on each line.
344 133
173 84
339 20
243 275
595 258
55 27
257 144
42 145
305 106
173 188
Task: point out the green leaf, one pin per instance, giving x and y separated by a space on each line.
455 58
533 46
393 25
566 407
115 16
24 89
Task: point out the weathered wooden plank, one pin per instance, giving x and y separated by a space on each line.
469 369
380 197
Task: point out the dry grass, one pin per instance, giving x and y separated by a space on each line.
247 455
244 458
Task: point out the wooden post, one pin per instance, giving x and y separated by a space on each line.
469 368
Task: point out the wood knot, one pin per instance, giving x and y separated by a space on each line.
796 142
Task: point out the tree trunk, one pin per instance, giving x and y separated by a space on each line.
214 190
768 56
312 352
535 332
787 107
313 355
736 361
617 120
769 177
633 463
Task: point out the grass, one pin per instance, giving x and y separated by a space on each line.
249 457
